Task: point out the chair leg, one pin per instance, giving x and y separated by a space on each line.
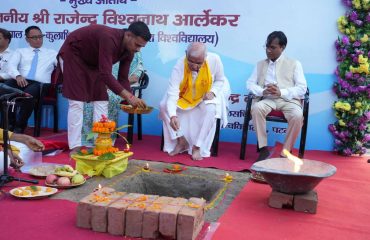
139 127
130 130
37 119
216 139
162 141
55 113
302 143
243 143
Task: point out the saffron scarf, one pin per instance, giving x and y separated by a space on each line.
191 94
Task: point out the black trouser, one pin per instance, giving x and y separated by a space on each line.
24 107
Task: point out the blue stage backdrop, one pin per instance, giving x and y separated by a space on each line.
234 29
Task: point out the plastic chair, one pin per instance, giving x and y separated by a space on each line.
137 91
274 116
48 97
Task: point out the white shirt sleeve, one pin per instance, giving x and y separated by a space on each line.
252 85
13 64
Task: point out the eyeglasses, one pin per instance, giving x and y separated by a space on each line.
37 37
271 48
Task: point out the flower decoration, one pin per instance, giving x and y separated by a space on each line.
351 130
102 131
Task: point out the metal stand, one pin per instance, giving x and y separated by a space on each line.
6 103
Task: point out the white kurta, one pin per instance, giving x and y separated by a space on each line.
197 124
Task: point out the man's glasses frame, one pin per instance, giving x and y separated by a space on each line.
36 37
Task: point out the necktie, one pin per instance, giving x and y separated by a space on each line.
32 72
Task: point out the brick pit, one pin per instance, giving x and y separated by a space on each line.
192 185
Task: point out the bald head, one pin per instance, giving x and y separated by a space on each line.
196 50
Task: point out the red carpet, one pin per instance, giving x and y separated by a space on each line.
342 213
149 149
48 219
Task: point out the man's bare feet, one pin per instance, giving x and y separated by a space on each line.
196 154
182 146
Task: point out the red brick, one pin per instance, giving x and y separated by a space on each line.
117 213
99 213
84 208
168 218
134 215
306 202
280 200
190 219
151 217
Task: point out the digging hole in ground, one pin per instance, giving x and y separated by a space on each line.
171 186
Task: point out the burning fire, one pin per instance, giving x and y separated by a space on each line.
297 161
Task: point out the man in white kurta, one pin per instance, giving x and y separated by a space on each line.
5 53
188 109
280 84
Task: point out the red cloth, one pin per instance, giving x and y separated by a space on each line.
51 145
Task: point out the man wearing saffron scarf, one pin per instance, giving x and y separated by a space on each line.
188 110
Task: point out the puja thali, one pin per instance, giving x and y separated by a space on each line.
130 109
33 192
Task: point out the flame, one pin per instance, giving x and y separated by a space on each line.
297 161
128 146
147 165
227 174
98 188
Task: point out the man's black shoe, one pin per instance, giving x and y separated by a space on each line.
264 154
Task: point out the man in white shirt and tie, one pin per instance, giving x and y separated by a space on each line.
5 53
29 69
280 84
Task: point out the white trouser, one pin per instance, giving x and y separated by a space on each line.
197 125
75 119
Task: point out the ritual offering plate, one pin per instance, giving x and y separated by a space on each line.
33 192
41 170
72 185
174 168
130 109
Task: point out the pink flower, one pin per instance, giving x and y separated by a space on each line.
353 16
345 40
347 152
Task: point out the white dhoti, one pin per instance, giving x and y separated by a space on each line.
197 125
